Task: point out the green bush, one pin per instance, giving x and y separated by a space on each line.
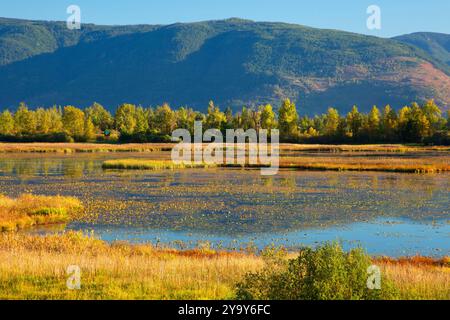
324 273
50 211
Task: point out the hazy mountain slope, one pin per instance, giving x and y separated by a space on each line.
436 44
233 62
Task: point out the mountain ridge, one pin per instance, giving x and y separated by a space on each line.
233 62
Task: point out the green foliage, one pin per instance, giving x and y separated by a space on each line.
237 62
73 122
125 118
6 123
412 124
288 120
101 118
324 273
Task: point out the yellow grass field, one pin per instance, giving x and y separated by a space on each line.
35 267
29 210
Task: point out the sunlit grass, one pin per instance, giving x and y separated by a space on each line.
419 277
142 164
41 147
29 210
34 267
81 147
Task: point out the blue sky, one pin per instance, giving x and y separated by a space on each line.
398 16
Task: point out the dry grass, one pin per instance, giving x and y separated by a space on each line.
152 147
324 163
385 164
81 147
34 267
29 210
419 277
142 164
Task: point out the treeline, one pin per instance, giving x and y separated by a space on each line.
412 124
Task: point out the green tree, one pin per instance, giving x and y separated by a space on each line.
247 121
165 119
434 116
6 123
89 129
332 123
42 121
288 120
55 120
389 124
100 117
229 118
373 124
24 120
215 119
141 120
268 120
73 122
125 118
354 121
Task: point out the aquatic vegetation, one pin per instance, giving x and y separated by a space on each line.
142 164
29 210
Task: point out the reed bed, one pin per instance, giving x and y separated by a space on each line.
29 210
82 147
329 163
35 267
40 147
142 164
419 277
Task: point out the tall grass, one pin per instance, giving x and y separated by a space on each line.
34 267
82 147
141 164
29 210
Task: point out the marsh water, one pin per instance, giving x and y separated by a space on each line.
393 214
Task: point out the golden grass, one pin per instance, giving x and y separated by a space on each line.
142 164
41 147
329 163
382 166
419 277
82 147
29 210
34 267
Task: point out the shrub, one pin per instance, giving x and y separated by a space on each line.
326 273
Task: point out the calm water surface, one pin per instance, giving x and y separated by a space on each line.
386 213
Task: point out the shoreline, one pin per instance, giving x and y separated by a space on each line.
34 267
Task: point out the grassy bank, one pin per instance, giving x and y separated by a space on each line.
34 267
82 147
336 163
29 210
41 147
142 164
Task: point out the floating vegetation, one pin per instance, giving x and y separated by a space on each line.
29 210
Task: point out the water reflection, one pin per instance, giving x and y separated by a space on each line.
237 204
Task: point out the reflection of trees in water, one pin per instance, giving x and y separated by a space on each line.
25 168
